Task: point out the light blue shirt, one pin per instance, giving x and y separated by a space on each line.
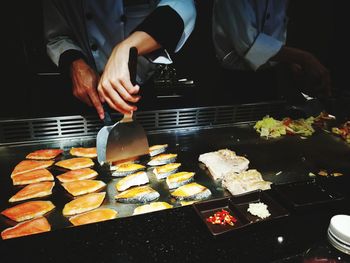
247 33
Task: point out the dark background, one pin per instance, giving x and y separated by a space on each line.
32 87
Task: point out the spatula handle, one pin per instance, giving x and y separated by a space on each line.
107 119
133 64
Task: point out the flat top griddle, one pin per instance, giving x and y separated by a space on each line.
283 160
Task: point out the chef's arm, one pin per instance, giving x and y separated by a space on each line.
239 23
60 46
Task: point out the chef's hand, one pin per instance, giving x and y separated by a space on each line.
85 80
115 86
314 76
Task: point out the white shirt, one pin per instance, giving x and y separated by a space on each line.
247 33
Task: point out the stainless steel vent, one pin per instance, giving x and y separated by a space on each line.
22 130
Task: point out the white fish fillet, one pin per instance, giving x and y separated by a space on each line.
246 181
223 161
138 178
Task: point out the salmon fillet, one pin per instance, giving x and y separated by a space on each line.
33 191
45 154
34 226
97 215
35 176
84 152
28 210
76 175
30 165
75 163
83 204
81 187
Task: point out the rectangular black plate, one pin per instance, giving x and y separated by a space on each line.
307 194
237 206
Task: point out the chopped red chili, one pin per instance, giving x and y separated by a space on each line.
222 217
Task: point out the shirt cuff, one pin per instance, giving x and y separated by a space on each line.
67 58
262 50
169 35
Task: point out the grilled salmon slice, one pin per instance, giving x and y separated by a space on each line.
162 159
128 168
140 194
30 165
44 154
178 179
154 206
76 175
75 163
83 204
166 170
97 215
30 227
33 191
157 149
191 191
83 152
31 177
28 210
130 180
82 187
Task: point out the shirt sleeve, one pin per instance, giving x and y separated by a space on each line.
187 11
171 23
57 36
240 24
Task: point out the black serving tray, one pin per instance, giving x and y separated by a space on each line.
237 206
307 195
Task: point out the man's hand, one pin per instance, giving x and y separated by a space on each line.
115 86
85 80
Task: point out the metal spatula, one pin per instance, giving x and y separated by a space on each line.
126 138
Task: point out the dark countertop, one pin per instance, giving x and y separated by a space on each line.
179 234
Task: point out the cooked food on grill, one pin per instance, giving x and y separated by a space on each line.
127 168
184 203
135 179
28 210
83 152
35 176
76 175
166 170
270 127
163 158
116 164
179 179
75 163
45 154
154 206
259 209
82 187
83 203
30 165
97 215
139 194
157 149
191 191
223 161
239 183
30 227
343 131
33 191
